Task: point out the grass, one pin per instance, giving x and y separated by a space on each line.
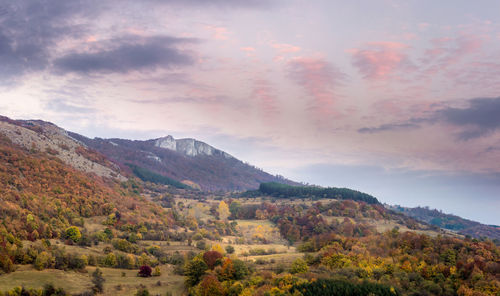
27 276
116 284
77 282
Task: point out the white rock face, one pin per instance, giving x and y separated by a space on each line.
189 147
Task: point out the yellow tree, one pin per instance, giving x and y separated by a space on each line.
223 210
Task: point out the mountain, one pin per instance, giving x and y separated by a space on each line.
450 222
186 160
164 160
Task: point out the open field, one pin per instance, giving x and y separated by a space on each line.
118 281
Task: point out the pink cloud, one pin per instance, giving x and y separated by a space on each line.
423 26
248 49
319 78
379 60
218 33
285 48
264 93
447 52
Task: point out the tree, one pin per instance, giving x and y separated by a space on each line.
210 286
299 266
73 233
145 271
194 270
229 249
211 257
223 210
98 281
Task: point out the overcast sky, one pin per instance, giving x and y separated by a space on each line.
400 99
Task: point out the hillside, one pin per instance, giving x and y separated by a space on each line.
183 160
38 135
450 222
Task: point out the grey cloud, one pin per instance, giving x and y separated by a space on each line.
61 105
388 127
130 53
480 118
223 3
29 29
187 100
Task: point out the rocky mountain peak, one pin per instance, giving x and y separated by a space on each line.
189 147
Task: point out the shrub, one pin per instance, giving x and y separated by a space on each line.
73 233
299 266
157 271
145 271
229 249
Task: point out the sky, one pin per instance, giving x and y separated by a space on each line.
400 99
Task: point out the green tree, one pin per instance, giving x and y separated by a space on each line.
194 270
73 233
229 249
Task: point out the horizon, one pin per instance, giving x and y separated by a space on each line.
398 100
298 181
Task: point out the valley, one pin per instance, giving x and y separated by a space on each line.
104 228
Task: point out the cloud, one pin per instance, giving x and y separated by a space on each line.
223 3
448 51
30 29
319 78
218 33
480 118
284 48
127 54
264 93
62 105
388 127
185 100
379 60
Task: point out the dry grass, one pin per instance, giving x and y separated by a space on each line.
27 276
76 282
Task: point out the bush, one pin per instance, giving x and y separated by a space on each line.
229 249
142 292
157 271
299 266
201 245
145 271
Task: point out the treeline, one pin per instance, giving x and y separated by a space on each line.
342 288
288 191
150 176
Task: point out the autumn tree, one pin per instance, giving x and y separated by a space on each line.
210 286
211 257
223 210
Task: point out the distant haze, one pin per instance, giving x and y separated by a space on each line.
400 99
